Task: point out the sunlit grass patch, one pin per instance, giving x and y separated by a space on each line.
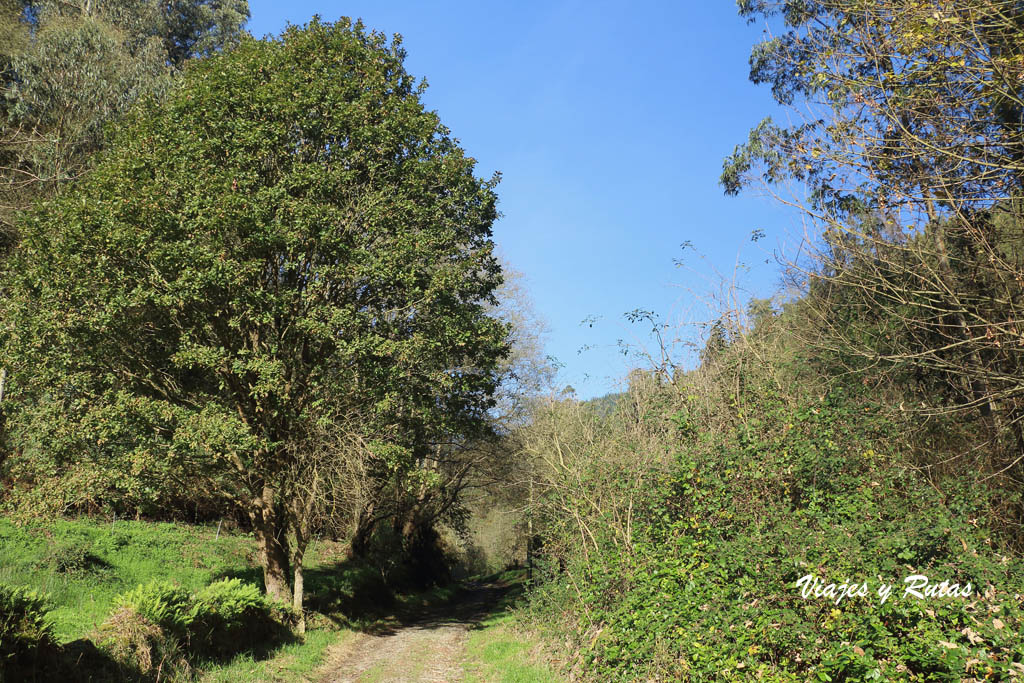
292 662
498 650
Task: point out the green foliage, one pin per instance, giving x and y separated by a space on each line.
287 238
227 611
118 557
500 649
353 592
296 660
908 160
162 604
230 601
25 631
605 405
781 482
69 68
69 557
867 69
208 623
179 559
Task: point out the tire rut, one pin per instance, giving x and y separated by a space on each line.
426 649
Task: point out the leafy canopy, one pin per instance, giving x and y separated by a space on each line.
288 236
68 68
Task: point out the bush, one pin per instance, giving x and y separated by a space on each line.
70 557
765 487
159 626
25 631
226 608
162 604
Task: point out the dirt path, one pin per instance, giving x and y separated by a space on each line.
428 648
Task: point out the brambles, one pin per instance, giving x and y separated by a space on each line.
754 472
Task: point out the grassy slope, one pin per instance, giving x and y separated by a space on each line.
108 559
82 565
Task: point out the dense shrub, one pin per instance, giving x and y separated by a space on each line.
71 557
160 625
696 579
25 631
715 588
227 609
162 604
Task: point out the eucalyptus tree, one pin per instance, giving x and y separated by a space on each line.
69 67
286 239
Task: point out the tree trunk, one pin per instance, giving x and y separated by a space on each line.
529 534
359 546
273 546
301 542
3 450
300 614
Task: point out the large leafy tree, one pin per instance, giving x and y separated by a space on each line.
401 510
907 151
70 67
287 239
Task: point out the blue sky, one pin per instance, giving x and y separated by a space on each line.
609 123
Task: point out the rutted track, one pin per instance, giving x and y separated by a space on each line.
428 647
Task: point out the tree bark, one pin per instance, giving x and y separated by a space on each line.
3 382
301 530
359 546
273 546
297 587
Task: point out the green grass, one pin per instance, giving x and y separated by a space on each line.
499 650
81 565
291 662
108 559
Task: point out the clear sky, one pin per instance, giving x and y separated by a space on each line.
609 123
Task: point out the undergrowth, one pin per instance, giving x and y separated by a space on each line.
691 571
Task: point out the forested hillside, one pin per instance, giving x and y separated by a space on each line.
269 396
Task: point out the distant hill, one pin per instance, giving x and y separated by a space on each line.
605 405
